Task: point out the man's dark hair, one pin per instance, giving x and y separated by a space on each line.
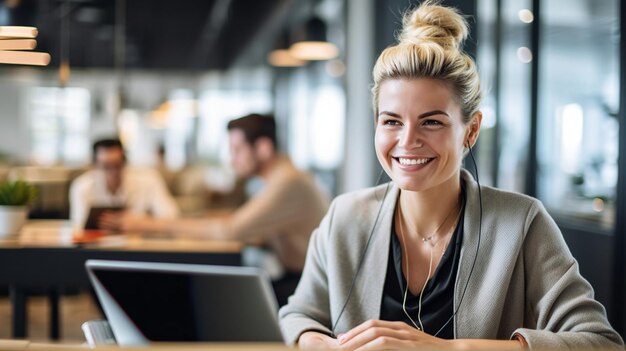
107 144
255 126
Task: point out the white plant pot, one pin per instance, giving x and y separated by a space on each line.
12 218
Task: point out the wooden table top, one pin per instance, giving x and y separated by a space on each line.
59 234
26 345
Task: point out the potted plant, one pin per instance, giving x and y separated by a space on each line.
15 196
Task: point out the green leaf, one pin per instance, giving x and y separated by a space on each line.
17 193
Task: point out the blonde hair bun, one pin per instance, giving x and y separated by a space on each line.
432 23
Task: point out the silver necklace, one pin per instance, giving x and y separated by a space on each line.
430 264
429 239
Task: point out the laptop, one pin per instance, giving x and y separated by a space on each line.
148 302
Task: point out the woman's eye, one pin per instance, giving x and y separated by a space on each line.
391 122
432 122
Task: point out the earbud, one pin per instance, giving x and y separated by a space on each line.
466 146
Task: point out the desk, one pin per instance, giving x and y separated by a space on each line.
43 256
14 345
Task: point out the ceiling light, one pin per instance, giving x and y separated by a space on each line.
312 43
524 54
18 44
281 56
314 50
25 58
526 16
12 32
20 38
284 58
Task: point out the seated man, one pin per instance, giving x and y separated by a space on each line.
282 215
111 184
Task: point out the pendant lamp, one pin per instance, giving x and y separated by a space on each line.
311 43
13 39
282 56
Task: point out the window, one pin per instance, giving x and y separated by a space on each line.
59 126
578 105
217 108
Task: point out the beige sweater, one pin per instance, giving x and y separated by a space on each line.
525 280
283 214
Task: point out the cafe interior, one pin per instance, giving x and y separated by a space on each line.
166 77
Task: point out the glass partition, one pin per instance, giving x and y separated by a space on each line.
504 61
578 106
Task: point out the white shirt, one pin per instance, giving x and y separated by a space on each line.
142 192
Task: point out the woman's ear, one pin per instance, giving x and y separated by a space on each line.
473 129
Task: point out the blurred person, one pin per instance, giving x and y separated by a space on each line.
281 216
111 184
432 259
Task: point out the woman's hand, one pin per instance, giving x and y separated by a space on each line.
312 340
385 335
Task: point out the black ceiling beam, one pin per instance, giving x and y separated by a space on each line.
160 34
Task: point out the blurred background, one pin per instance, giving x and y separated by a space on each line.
167 76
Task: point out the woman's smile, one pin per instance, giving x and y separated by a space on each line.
412 163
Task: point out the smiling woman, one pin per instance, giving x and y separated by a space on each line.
420 134
433 258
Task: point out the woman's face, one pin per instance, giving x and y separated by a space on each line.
420 134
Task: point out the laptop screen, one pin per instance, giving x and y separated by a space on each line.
189 305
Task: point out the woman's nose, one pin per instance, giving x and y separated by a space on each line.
410 137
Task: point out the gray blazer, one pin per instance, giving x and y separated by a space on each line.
525 279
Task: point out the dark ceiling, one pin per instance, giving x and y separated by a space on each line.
159 34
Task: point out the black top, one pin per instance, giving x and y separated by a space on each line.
438 299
